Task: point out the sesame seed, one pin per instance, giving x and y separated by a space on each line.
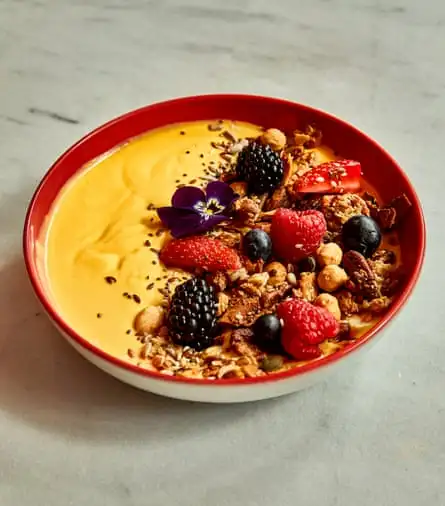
99 315
147 243
150 286
110 279
136 298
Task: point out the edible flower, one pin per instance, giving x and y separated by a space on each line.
194 211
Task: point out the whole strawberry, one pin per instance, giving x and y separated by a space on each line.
297 234
304 327
200 252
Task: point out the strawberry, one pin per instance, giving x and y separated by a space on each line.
304 327
331 177
200 252
296 234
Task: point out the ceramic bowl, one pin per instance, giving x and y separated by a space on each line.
379 168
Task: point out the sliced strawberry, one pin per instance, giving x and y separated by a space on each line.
200 252
331 177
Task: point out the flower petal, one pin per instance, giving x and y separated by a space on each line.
187 196
186 225
220 191
170 216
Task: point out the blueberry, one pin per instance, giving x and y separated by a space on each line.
361 233
257 244
267 332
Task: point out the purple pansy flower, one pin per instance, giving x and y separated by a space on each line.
194 211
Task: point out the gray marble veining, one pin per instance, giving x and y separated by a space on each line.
69 435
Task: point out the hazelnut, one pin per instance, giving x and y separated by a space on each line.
277 273
149 320
329 254
331 278
275 138
330 303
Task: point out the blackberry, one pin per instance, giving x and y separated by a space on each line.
192 314
260 167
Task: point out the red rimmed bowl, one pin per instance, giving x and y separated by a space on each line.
379 168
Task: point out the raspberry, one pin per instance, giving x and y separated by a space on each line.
200 252
297 234
260 167
304 327
192 315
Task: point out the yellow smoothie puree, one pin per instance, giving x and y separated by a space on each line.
103 218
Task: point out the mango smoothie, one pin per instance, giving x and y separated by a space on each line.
103 237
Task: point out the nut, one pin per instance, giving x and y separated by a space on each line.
213 352
300 138
272 363
277 273
331 278
223 303
149 320
329 254
230 371
238 146
292 279
362 276
308 286
250 370
238 275
330 303
260 279
275 138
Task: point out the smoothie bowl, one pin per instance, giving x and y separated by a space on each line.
223 248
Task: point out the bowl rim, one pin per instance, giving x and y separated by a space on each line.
310 366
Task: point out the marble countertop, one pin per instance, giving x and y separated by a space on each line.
69 434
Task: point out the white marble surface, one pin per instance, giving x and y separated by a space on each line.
69 435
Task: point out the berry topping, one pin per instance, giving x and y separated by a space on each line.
304 327
361 233
192 315
260 167
331 177
297 234
200 252
257 245
267 331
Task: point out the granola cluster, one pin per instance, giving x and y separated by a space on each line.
345 283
